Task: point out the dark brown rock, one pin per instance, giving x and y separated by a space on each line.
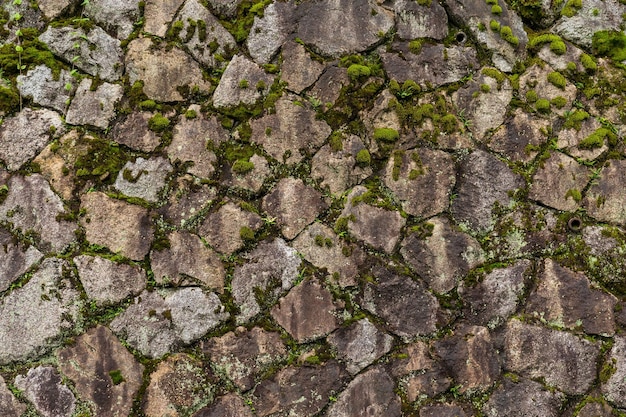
134 132
328 87
9 405
230 405
222 229
15 258
523 398
430 383
299 71
519 138
42 386
596 408
442 410
606 198
188 201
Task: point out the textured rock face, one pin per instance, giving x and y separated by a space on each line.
45 89
117 16
420 21
523 398
222 229
243 82
16 259
9 405
605 200
108 282
94 108
143 178
613 387
134 132
42 386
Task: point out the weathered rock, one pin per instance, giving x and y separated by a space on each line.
307 312
25 134
9 405
187 257
562 359
291 129
606 200
299 71
523 398
519 138
162 71
269 32
42 386
442 410
187 201
40 85
328 87
252 180
58 160
432 382
559 182
420 21
158 322
559 61
242 355
158 14
95 108
593 16
227 8
222 229
360 344
117 17
535 79
103 371
243 82
376 226
407 308
108 282
302 391
271 268
422 179
569 140
341 27
178 387
52 8
294 205
495 298
615 368
444 257
116 224
15 258
30 17
230 405
370 393
596 408
39 312
34 210
470 358
144 178
134 132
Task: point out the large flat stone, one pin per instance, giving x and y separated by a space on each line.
117 16
606 199
133 131
414 20
243 82
230 405
299 71
43 387
144 178
15 258
222 229
40 85
94 108
523 398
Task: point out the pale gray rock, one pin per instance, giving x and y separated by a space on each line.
523 398
40 85
15 258
222 229
417 21
252 180
95 108
269 32
158 14
560 61
615 387
116 16
243 82
298 70
52 8
9 405
227 8
580 28
135 133
606 199
144 178
43 387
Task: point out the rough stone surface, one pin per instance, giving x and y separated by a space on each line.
40 85
103 371
299 71
189 199
42 386
535 79
523 398
269 32
328 87
252 180
117 16
15 258
416 21
53 8
569 140
519 137
9 405
94 108
134 132
605 199
144 178
120 226
230 405
243 82
222 229
580 28
158 14
615 386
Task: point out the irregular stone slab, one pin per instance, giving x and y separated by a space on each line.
9 405
108 282
470 358
227 8
407 308
242 355
299 71
15 258
269 32
523 398
230 405
42 386
158 14
39 312
596 409
243 82
360 344
24 135
302 391
32 208
420 21
307 312
57 162
178 387
252 180
328 87
567 297
269 264
593 16
606 200
117 17
519 138
371 392
158 322
535 79
187 257
104 373
444 257
485 183
294 205
559 182
376 226
52 8
144 178
615 386
442 410
559 62
95 108
162 71
100 54
355 27
116 224
494 299
569 140
222 229
134 132
422 179
293 127
40 85
562 359
188 200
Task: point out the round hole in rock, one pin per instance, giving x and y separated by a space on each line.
460 37
575 224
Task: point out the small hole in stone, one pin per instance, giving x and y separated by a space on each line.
575 224
460 37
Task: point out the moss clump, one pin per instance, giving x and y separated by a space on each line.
540 40
147 105
449 123
496 9
425 3
506 33
9 99
386 134
558 47
557 79
246 234
116 377
240 26
101 161
588 63
571 8
495 74
542 105
558 102
611 44
481 26
357 72
607 371
241 166
191 114
531 96
363 158
494 25
596 139
415 46
485 88
158 123
575 119
574 194
336 141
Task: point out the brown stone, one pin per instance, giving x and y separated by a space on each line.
15 258
158 14
536 78
134 132
230 405
520 137
299 71
188 201
222 229
328 87
43 387
442 410
606 199
614 387
523 398
243 82
252 180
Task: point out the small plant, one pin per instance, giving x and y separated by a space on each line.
557 79
335 141
481 26
241 166
357 72
246 234
191 114
496 9
147 105
363 158
571 8
575 119
243 84
415 46
485 88
531 96
574 194
158 123
386 134
542 105
559 102
494 25
116 377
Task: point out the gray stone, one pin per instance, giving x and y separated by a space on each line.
39 84
535 79
360 344
116 16
597 408
40 311
341 27
565 361
186 258
9 405
485 183
100 55
298 70
442 410
104 372
162 71
307 312
269 32
42 386
243 82
523 398
15 258
569 140
144 178
30 17
188 201
227 8
230 405
108 282
244 354
116 224
222 229
417 21
422 180
291 129
520 137
444 257
252 180
605 200
158 14
560 61
33 209
328 87
294 205
158 322
580 28
135 133
52 8
24 135
95 108
614 387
